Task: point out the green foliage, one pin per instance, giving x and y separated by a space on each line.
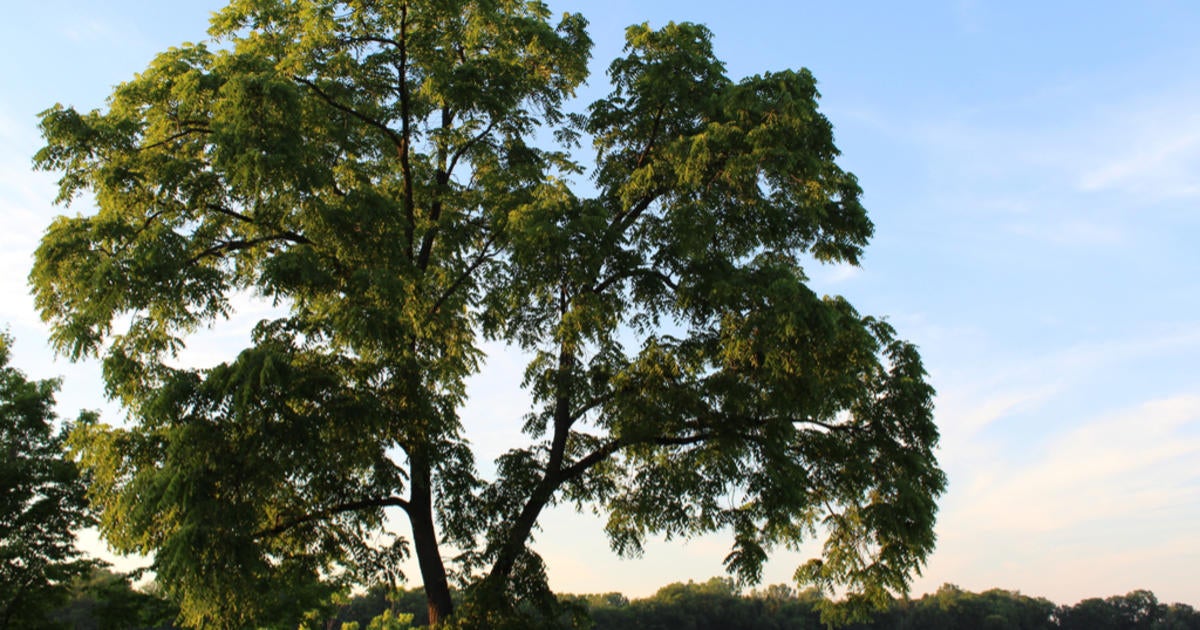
103 600
385 621
363 607
41 500
372 167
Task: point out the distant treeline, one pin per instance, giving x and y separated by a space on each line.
108 601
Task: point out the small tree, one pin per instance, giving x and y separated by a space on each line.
371 166
42 501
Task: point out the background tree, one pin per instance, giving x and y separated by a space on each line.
41 501
371 167
1135 610
712 605
104 600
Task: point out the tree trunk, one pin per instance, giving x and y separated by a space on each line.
514 543
425 543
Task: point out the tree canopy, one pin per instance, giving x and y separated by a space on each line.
41 500
400 176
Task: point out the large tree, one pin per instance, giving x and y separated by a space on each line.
397 176
42 501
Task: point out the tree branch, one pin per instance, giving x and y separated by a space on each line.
639 271
483 257
624 219
591 404
605 451
334 510
186 131
406 132
396 138
467 146
369 39
591 459
220 249
230 213
654 129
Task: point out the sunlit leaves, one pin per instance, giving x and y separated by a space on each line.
382 171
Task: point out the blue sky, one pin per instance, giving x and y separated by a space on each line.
1033 170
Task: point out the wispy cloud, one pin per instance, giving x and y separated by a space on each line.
1132 463
1089 505
971 400
1152 151
1042 477
1053 166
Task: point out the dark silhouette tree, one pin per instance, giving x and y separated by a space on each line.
42 501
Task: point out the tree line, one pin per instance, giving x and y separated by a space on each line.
107 601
